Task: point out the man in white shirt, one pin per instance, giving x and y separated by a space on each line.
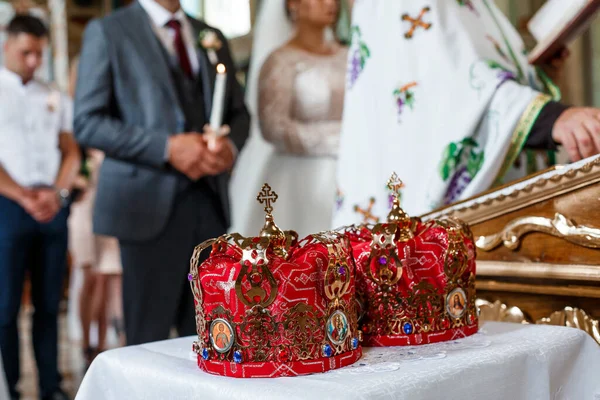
38 163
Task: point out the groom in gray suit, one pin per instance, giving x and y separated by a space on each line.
144 94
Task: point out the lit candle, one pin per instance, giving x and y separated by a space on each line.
216 115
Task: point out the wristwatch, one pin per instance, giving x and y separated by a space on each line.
63 196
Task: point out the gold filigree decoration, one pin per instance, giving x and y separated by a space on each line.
387 270
195 285
303 329
270 230
395 184
569 316
267 197
575 318
560 227
255 270
500 312
397 215
456 260
339 271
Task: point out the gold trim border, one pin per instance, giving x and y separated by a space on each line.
537 191
521 133
554 290
570 272
560 227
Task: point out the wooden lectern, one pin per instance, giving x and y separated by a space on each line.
538 247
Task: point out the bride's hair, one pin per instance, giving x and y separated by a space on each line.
288 11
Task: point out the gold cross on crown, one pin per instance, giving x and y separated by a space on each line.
267 197
395 184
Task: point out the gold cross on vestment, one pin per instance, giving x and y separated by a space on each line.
416 22
368 212
267 197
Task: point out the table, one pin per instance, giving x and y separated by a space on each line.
503 361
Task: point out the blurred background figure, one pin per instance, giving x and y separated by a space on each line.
38 163
144 97
297 101
449 106
96 256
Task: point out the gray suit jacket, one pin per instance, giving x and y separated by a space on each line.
127 106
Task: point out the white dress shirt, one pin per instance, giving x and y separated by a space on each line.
159 16
32 116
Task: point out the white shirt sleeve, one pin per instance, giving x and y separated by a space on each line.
66 117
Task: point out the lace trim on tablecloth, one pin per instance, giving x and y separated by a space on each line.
383 359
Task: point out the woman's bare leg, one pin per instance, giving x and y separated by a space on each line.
86 298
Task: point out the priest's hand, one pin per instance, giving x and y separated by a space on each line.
578 130
555 67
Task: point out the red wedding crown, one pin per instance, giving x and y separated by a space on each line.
273 306
415 280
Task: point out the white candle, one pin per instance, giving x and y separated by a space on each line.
216 115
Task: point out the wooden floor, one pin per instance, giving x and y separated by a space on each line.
70 359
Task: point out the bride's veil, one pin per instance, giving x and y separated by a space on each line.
272 30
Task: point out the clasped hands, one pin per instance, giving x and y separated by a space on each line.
41 204
197 155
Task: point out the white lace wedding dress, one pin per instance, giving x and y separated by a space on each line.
300 103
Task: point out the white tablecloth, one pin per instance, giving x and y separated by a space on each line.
503 361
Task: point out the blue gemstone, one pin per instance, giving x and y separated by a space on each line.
407 328
327 350
237 356
354 343
205 354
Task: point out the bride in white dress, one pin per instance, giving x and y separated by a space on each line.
296 102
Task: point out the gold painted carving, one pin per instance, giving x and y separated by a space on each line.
560 226
498 311
575 318
569 316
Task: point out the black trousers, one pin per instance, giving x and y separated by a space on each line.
156 292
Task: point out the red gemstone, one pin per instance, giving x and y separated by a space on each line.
256 299
284 356
445 323
471 319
